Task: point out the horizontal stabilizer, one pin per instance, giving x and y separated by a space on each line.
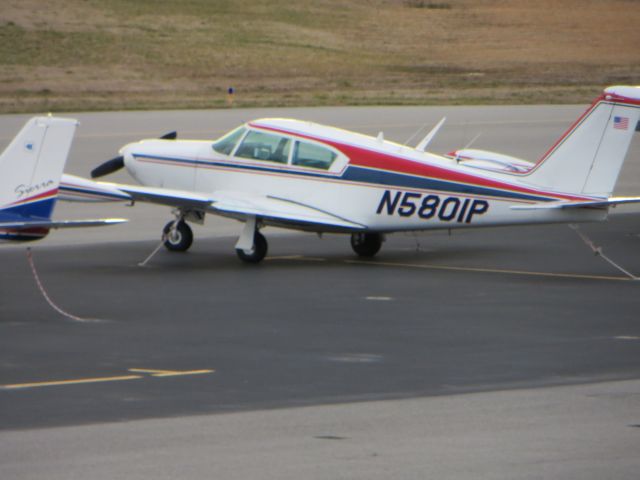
609 202
26 225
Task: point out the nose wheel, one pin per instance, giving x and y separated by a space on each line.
366 244
178 236
257 253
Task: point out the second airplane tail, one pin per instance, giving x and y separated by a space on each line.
32 165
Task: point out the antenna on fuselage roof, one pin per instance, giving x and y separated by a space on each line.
473 140
421 147
420 129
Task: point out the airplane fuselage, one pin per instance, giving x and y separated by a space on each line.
302 175
385 186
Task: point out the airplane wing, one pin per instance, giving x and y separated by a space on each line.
608 202
73 188
163 196
227 203
241 204
77 189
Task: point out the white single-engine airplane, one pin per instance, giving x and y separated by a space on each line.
30 171
305 176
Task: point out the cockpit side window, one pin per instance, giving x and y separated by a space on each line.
313 156
265 146
226 144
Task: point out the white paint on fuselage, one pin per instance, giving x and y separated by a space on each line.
148 162
356 202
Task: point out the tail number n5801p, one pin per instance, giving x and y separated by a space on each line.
448 209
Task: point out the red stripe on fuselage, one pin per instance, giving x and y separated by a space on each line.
364 157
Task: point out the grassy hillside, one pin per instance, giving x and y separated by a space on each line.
60 55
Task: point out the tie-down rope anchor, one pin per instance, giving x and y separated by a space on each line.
597 251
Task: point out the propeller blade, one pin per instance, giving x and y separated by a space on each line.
169 136
108 167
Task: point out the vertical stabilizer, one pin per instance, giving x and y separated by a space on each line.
589 156
32 165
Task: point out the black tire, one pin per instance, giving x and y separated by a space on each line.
178 240
366 244
259 251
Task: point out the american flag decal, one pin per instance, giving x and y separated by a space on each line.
621 123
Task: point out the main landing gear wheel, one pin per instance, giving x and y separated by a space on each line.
257 253
366 244
177 239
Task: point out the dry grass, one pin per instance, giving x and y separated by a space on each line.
113 54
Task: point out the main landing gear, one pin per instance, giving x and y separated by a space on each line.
178 236
255 254
366 244
252 247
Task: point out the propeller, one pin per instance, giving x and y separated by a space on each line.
108 167
117 163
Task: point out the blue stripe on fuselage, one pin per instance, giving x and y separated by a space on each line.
257 168
399 180
358 174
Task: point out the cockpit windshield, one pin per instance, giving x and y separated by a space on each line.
256 144
227 143
265 146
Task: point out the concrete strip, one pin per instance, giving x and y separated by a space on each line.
586 432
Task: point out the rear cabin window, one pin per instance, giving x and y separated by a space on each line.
314 156
226 144
265 146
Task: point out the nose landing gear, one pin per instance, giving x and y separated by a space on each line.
178 236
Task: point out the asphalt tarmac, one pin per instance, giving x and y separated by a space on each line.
477 334
431 315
